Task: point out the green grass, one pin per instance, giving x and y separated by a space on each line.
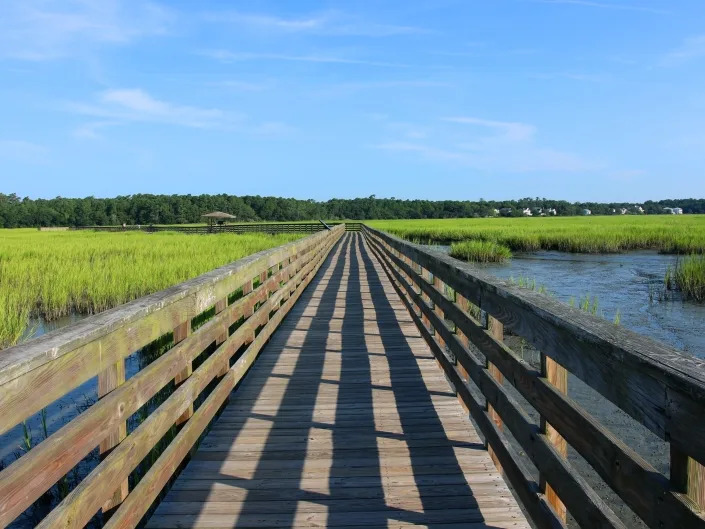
682 234
51 274
688 277
480 251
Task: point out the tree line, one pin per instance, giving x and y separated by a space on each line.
181 209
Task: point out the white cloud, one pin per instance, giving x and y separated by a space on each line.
489 145
691 48
331 23
227 56
39 30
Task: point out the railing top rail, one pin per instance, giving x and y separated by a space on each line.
192 297
658 385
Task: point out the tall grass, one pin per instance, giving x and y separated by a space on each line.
688 277
681 234
480 251
51 274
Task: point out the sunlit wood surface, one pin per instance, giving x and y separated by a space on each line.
344 420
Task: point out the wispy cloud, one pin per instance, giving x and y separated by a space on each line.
490 145
37 30
126 106
242 86
572 76
692 48
227 56
507 130
621 6
330 23
23 151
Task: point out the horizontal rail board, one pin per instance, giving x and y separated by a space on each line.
38 372
609 358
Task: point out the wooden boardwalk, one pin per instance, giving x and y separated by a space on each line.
344 420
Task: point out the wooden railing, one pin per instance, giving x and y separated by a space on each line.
251 227
246 301
464 316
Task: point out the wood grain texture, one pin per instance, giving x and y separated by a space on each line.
344 420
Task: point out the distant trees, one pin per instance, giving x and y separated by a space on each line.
180 209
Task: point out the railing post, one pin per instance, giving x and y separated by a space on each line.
108 380
181 332
462 304
688 477
496 329
440 287
249 309
557 376
220 306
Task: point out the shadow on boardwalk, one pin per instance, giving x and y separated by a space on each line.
345 420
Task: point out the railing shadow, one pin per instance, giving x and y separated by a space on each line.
365 420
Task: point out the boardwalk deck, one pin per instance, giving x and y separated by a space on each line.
344 420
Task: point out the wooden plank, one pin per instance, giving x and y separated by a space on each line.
109 380
557 376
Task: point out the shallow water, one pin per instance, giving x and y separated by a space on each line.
621 282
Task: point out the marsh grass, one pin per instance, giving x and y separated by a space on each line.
677 234
480 251
51 274
688 276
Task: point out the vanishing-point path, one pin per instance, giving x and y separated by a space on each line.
345 419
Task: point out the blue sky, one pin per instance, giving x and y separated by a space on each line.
571 99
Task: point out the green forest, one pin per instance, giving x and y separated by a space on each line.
18 212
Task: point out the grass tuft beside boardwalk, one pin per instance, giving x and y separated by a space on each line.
688 277
480 251
51 274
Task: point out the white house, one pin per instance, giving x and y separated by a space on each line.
622 211
586 212
673 211
551 211
526 212
638 208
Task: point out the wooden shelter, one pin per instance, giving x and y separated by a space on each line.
218 217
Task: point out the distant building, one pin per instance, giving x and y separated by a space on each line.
505 212
678 211
673 211
622 211
551 211
496 211
526 212
586 212
638 208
